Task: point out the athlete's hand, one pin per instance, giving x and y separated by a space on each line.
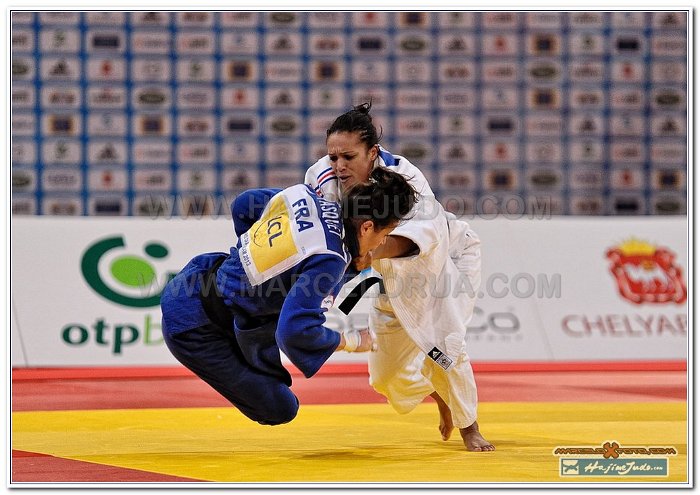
358 340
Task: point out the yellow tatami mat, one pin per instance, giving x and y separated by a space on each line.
353 443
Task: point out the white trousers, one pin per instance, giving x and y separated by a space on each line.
405 375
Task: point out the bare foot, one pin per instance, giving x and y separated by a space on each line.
473 440
446 425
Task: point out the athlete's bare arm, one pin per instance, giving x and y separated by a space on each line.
395 246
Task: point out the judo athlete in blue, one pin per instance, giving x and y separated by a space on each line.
226 317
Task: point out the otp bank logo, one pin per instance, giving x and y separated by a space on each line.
123 278
646 273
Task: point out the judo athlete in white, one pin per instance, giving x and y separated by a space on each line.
431 269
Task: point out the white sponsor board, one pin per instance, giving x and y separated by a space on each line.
65 321
584 289
18 357
559 289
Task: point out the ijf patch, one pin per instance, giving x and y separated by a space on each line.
440 358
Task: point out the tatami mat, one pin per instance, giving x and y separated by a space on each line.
351 442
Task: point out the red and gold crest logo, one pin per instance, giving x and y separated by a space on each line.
646 273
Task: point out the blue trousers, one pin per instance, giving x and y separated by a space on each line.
242 364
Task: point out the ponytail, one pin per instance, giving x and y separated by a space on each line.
357 120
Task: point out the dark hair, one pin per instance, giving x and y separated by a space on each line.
357 120
386 199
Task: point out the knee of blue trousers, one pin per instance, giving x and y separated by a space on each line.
279 413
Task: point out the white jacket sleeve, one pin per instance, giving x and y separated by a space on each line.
420 226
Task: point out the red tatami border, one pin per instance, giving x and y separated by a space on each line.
80 373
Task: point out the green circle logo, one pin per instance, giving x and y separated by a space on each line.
132 271
129 271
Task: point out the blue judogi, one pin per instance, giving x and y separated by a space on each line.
226 317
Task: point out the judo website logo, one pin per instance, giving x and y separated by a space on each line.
646 273
135 276
611 459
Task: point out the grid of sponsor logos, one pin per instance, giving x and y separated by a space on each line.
143 113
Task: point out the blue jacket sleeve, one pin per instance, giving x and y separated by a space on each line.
248 207
301 333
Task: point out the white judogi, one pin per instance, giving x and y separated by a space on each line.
421 321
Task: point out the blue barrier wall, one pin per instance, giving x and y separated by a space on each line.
144 113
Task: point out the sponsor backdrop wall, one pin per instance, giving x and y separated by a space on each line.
556 290
143 113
